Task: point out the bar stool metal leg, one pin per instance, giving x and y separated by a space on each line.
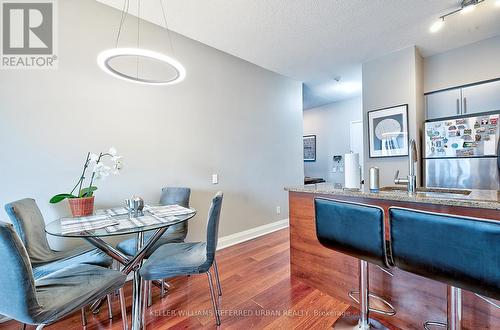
363 320
453 313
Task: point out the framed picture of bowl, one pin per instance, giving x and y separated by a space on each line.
388 132
309 148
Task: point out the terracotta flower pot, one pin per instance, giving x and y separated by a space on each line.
81 207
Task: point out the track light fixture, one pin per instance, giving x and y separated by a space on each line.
466 6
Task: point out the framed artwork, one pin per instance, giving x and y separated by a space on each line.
309 148
388 131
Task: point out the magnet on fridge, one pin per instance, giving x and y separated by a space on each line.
477 125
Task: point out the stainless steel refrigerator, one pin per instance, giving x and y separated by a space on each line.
463 152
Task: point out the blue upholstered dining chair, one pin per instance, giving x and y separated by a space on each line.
30 226
174 234
54 296
177 259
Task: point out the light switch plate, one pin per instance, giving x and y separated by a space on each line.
215 178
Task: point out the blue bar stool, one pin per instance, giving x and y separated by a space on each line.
356 230
459 251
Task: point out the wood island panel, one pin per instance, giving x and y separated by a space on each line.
415 298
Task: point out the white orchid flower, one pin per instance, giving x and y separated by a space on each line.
116 159
117 167
112 151
101 171
93 157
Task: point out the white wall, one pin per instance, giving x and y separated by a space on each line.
392 80
468 64
330 124
228 117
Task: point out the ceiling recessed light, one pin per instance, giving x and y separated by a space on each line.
437 25
497 3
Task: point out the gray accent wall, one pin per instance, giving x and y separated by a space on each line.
228 117
392 80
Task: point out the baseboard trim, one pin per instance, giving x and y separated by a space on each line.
246 235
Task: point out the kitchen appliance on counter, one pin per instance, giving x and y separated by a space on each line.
463 152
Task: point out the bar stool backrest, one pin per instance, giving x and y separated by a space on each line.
353 229
460 251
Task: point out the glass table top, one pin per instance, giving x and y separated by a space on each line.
55 228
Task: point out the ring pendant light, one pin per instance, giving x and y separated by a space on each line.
105 58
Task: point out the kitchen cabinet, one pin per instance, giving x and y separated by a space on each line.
444 104
481 98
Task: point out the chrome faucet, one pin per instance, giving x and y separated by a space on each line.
411 180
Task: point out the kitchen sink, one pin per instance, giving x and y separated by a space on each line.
430 191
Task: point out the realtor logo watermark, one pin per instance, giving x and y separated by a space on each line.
28 34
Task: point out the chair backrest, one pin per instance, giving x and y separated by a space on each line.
460 251
30 226
354 229
180 196
213 226
17 287
175 195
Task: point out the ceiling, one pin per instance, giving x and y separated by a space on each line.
314 41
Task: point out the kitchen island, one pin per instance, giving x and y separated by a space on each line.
415 298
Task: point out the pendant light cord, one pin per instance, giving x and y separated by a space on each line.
138 34
126 4
166 27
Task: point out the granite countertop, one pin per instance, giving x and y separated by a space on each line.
486 199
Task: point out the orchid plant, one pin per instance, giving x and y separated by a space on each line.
100 170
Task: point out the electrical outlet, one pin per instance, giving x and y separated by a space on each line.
215 178
278 210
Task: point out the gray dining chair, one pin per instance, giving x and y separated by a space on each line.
174 234
30 226
54 296
178 259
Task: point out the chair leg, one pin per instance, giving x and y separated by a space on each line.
150 293
144 302
216 269
123 308
110 306
84 317
212 295
24 326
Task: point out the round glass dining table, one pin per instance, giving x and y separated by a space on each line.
123 225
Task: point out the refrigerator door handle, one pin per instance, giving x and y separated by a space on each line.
465 104
458 106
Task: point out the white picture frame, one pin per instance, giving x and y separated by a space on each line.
388 132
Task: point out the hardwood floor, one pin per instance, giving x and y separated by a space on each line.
258 293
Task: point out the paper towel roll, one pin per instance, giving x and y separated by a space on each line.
352 172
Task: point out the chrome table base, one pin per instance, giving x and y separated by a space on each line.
131 265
